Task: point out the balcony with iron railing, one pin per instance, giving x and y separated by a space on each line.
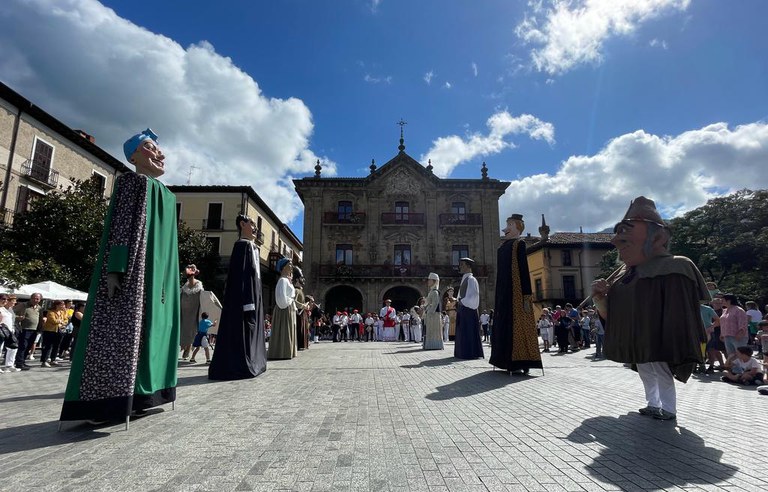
213 224
402 218
7 216
461 219
344 218
45 176
395 271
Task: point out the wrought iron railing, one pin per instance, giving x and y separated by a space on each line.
352 218
404 271
461 219
409 218
213 224
45 176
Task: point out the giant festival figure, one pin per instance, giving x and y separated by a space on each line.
240 350
652 308
514 342
127 348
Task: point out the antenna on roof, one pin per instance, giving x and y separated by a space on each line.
192 168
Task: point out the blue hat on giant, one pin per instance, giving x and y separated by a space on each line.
130 145
281 263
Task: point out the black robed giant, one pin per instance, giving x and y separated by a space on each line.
240 350
514 342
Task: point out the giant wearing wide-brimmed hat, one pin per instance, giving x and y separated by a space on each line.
652 308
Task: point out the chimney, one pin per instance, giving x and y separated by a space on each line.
90 138
544 230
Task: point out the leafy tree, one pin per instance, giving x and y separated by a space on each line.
195 248
58 239
728 239
61 231
608 263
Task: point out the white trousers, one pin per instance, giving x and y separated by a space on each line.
10 355
659 385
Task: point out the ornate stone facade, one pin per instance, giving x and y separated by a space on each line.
380 236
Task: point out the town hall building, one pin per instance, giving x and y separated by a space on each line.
379 236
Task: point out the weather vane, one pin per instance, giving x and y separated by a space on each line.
402 123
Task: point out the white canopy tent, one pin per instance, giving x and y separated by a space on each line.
51 291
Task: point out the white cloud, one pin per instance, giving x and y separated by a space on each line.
374 5
112 78
428 77
474 68
658 43
571 32
680 173
377 80
448 152
447 85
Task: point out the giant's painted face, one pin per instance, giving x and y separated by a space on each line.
149 159
629 240
512 230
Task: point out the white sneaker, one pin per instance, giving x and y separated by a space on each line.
1 370
45 364
12 369
30 357
58 359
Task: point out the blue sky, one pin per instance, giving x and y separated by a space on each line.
583 104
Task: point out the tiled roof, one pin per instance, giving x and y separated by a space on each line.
601 240
580 237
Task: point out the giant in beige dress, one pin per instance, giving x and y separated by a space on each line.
282 341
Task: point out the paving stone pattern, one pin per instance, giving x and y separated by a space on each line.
391 417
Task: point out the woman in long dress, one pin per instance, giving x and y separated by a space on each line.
190 309
449 303
282 341
433 324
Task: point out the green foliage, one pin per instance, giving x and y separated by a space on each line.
58 238
728 239
195 248
14 272
608 263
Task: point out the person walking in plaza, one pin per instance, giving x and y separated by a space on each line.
515 344
485 319
282 343
369 328
468 344
302 312
450 304
29 317
388 315
404 325
201 338
544 326
433 325
53 324
415 322
8 338
240 351
734 325
652 308
562 331
599 338
356 324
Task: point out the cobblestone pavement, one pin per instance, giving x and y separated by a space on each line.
388 416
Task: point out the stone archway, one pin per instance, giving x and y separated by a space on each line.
341 298
403 297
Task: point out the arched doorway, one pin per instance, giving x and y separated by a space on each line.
403 297
341 298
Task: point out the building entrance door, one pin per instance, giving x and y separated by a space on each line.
343 298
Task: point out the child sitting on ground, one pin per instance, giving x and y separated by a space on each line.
744 369
201 339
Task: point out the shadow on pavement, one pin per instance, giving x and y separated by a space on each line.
52 396
411 351
194 380
475 384
43 435
432 363
639 451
